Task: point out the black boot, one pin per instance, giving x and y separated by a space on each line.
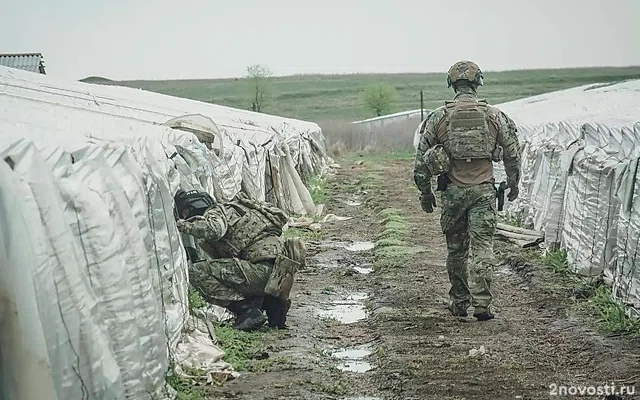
277 309
248 314
483 314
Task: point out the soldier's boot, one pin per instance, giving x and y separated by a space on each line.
277 309
249 317
458 309
483 314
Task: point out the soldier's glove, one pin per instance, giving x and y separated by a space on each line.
513 193
180 224
428 201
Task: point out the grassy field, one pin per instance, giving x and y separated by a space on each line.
337 97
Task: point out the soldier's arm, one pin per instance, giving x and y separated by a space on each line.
211 226
508 138
421 175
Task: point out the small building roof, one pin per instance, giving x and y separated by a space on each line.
32 62
396 115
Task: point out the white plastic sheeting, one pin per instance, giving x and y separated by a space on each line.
580 149
283 138
102 254
93 275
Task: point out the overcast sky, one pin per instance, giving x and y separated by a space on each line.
164 39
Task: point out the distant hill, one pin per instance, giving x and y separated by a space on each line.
337 97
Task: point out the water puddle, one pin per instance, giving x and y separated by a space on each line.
362 398
353 359
354 201
360 246
347 311
504 270
363 270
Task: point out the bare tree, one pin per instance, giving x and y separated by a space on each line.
379 97
258 75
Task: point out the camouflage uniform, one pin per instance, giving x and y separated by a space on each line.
243 241
473 135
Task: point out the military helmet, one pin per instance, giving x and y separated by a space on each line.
464 71
437 160
191 203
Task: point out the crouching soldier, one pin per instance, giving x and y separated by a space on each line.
250 267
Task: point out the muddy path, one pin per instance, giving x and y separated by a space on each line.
371 323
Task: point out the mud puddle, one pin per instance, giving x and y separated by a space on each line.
504 269
357 246
352 359
360 246
363 270
347 311
352 201
362 398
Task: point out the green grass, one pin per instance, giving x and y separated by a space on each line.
391 249
241 348
195 300
318 186
337 97
611 313
374 159
185 389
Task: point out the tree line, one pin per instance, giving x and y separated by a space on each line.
377 98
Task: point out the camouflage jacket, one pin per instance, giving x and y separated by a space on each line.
506 137
242 228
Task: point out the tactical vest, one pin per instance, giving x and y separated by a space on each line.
254 234
467 134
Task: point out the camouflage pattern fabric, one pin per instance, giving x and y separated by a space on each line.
241 228
437 160
228 280
242 239
464 70
434 125
468 210
468 221
210 227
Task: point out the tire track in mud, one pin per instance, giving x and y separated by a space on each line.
358 334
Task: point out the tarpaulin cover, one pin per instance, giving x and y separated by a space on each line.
93 274
300 141
580 148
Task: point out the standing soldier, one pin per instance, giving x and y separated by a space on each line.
459 143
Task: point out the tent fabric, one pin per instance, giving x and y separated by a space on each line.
302 141
92 267
579 151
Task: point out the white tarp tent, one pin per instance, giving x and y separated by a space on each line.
259 152
93 275
580 148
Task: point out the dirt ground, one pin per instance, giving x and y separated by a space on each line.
358 334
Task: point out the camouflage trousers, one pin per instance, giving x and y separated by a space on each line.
225 280
468 221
